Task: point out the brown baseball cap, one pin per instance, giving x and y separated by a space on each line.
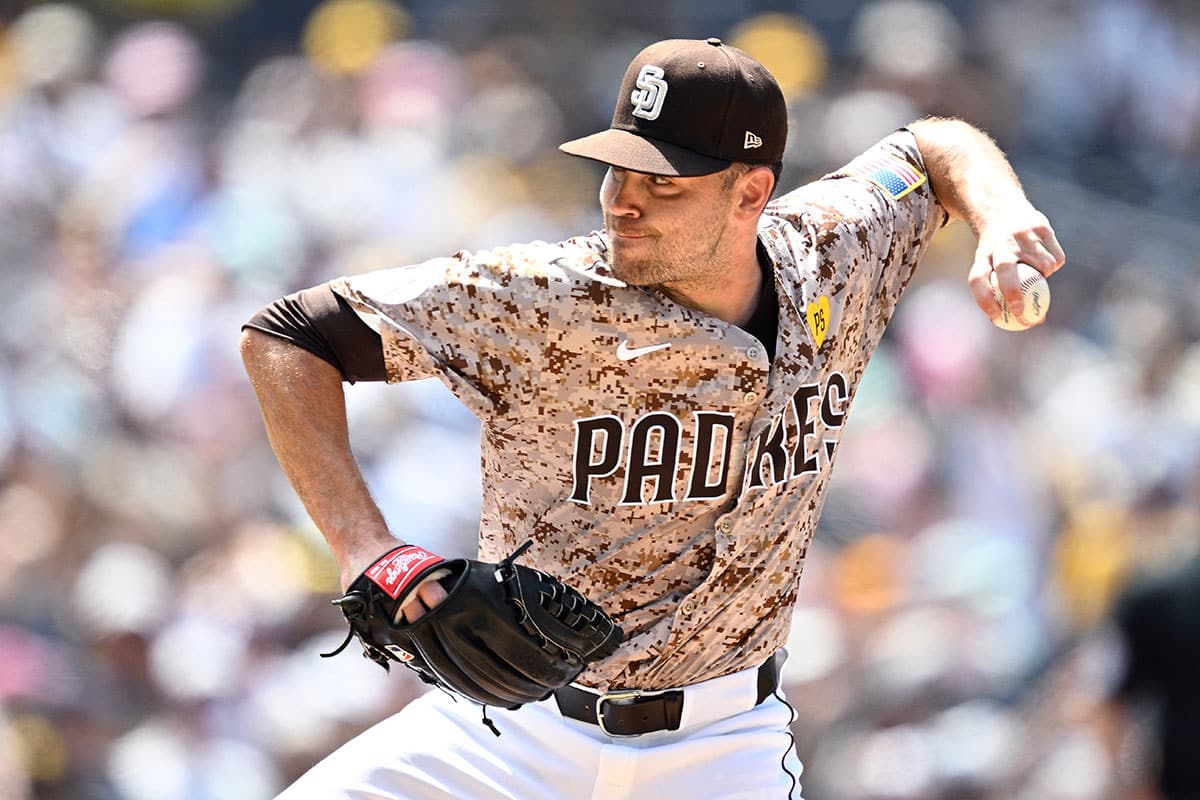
691 107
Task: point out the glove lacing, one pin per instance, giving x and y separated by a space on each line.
355 607
503 571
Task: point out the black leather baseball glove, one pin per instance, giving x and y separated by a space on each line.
505 635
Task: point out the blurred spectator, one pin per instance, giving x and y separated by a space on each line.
1158 621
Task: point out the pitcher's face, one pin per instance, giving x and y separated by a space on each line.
666 229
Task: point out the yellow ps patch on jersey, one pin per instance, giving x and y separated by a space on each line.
818 319
895 176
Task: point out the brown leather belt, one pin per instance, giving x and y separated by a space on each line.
632 712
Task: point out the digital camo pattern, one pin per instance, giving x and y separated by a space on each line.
660 463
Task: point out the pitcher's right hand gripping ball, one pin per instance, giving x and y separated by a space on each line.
505 634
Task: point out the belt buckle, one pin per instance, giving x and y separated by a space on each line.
609 697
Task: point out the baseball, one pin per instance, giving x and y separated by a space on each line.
1036 293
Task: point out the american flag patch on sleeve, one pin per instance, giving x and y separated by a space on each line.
895 176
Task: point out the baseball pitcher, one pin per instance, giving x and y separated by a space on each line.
662 402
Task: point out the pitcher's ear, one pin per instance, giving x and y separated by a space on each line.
753 190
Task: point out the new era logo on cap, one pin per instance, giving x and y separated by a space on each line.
751 141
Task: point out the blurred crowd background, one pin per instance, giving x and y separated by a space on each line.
169 166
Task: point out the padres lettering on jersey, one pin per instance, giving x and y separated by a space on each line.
610 412
602 449
785 451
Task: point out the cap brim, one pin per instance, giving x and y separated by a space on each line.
626 150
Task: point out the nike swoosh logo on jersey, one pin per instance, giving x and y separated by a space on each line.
627 353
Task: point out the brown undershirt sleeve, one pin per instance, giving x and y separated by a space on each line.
324 324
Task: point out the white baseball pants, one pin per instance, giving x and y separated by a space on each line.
436 748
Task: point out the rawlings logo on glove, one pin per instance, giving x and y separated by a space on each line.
397 570
505 634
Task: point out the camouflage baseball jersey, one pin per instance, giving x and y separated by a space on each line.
659 460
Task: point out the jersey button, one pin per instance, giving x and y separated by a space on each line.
687 607
753 353
725 526
751 397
